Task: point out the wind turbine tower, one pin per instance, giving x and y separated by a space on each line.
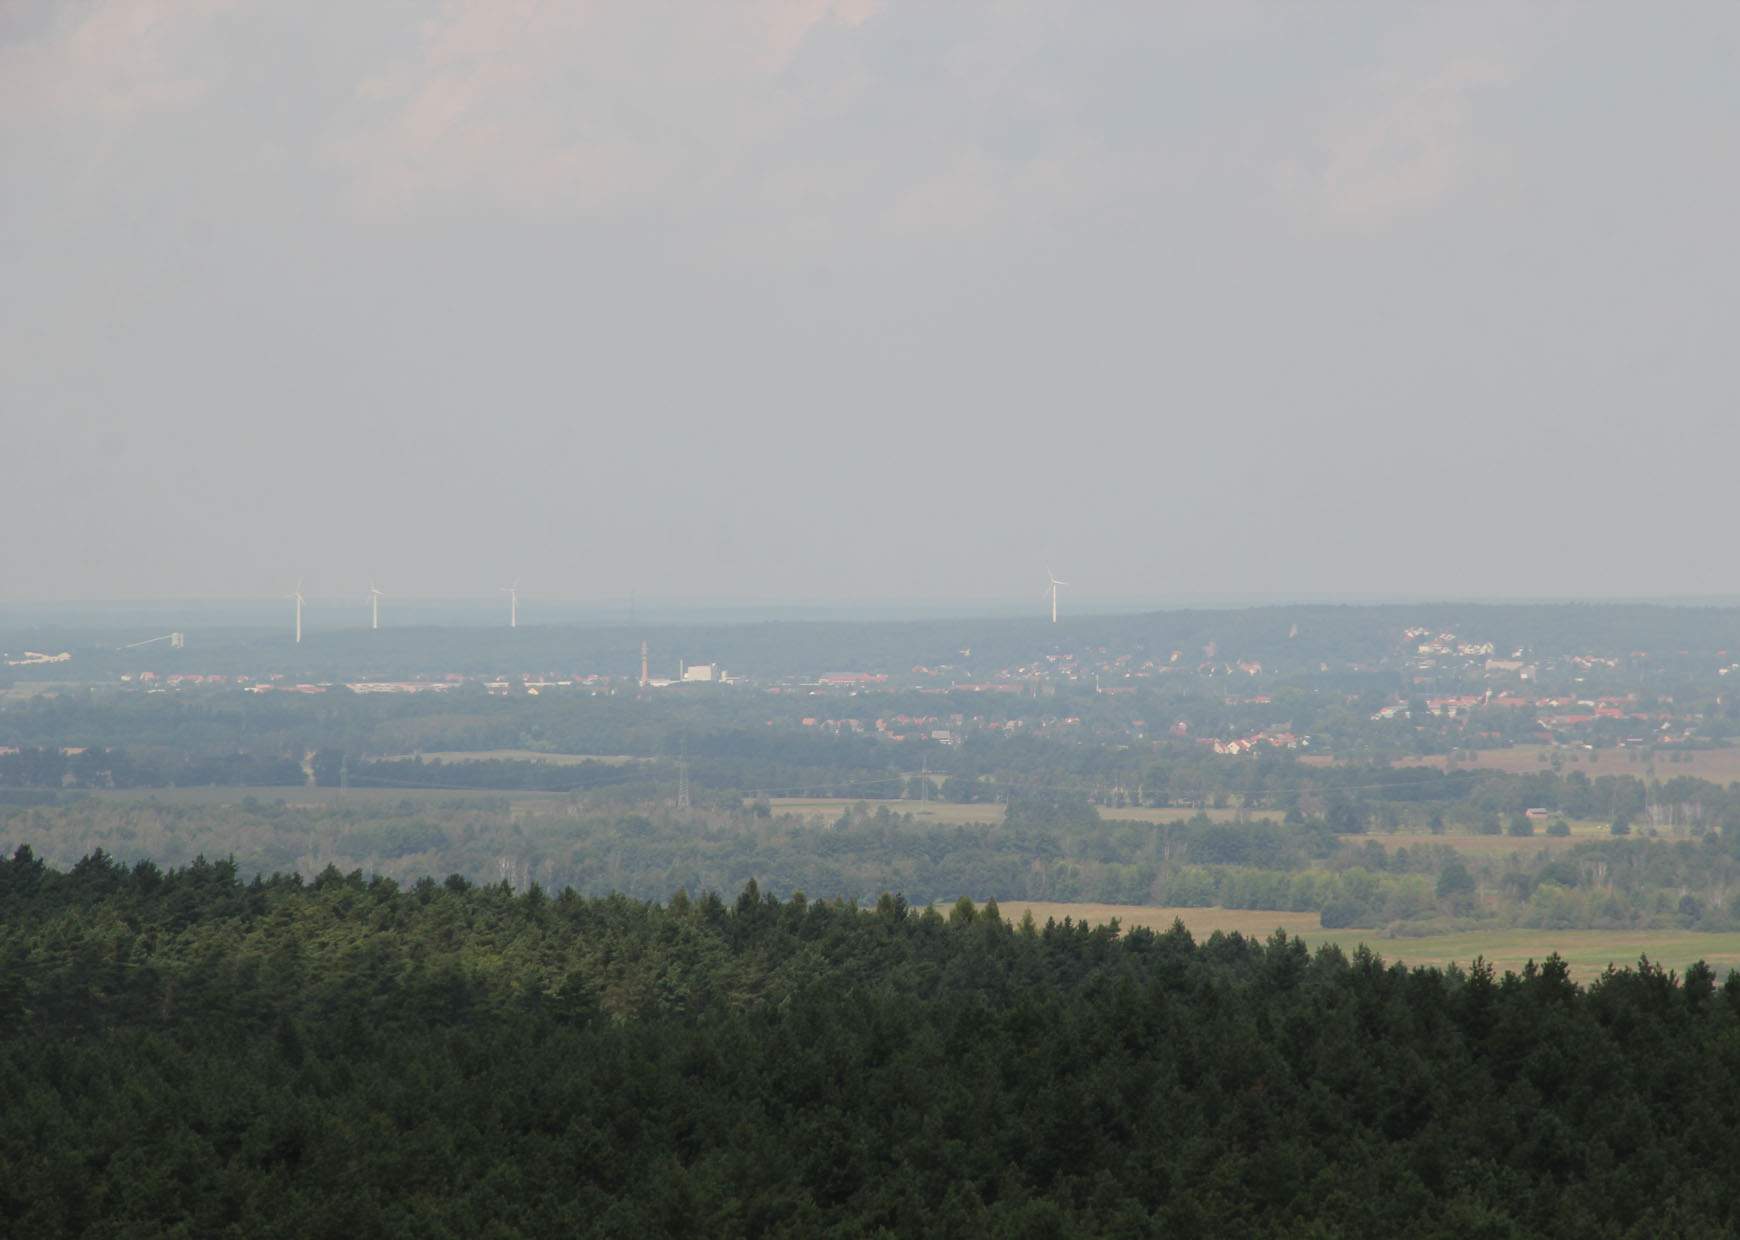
683 777
1053 592
375 596
299 600
643 675
513 593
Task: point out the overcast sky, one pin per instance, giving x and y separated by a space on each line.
812 300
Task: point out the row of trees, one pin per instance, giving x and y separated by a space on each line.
148 767
1046 849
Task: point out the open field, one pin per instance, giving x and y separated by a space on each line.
519 755
1146 813
1200 921
949 812
1487 845
1721 766
1473 845
1588 952
20 693
944 812
318 797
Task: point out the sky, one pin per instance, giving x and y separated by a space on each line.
845 300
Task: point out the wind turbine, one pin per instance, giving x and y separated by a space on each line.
299 600
375 596
513 593
1052 590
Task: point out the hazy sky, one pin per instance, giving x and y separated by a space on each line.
799 299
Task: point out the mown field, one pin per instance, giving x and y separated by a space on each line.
947 812
312 797
1720 766
519 755
1588 952
1487 845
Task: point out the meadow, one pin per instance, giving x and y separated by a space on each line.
1485 845
1587 952
948 813
517 755
1719 766
311 797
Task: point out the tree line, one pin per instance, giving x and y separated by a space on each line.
186 1052
1048 849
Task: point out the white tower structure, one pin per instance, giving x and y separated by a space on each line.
1052 590
375 596
299 601
513 593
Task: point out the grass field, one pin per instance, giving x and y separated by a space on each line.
317 797
1489 845
520 755
1588 952
24 692
1721 766
948 812
945 812
1145 813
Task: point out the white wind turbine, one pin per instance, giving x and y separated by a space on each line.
299 601
376 594
1052 590
513 593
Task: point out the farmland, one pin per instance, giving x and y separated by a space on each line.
1588 952
1486 845
311 797
1720 766
519 755
948 812
945 813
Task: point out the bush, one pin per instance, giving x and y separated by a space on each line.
1558 827
1521 825
1049 809
1342 913
1454 880
1489 825
1621 825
